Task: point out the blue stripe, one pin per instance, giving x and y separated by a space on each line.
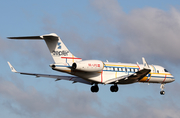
120 67
161 77
62 66
134 72
118 71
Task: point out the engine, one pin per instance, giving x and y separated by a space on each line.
88 66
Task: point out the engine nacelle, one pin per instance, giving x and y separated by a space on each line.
88 66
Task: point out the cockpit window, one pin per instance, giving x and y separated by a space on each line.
165 70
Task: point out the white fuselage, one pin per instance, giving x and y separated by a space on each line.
95 71
158 74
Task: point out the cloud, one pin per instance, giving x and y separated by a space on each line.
138 107
119 36
28 101
49 23
126 37
154 32
147 32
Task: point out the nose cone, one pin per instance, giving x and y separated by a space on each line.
172 79
168 80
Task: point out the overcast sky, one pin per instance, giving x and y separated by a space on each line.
114 30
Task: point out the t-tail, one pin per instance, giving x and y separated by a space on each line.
58 50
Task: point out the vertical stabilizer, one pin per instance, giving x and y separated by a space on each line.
58 50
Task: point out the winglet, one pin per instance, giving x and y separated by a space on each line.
12 68
146 66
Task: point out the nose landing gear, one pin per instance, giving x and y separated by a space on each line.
162 92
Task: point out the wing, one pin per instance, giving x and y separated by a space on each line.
128 79
57 77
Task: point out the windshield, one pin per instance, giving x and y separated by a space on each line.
165 70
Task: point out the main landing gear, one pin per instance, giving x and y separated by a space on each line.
162 92
95 88
114 88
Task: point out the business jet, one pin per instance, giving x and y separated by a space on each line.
94 72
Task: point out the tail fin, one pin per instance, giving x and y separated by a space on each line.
58 50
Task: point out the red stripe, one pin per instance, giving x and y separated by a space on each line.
71 79
101 76
138 66
70 58
164 79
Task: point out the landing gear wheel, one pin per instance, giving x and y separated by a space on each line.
162 92
114 88
95 89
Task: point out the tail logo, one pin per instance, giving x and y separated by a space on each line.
59 45
60 53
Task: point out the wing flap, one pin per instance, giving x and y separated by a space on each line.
57 77
115 79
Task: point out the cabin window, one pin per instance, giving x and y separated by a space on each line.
130 69
117 69
126 69
157 71
137 70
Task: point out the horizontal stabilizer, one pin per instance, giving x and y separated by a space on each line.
34 37
26 37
